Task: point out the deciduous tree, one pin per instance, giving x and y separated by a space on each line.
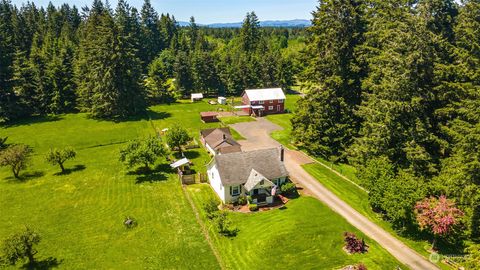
142 152
21 246
438 215
60 156
16 157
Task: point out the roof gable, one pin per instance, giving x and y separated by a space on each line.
265 94
254 179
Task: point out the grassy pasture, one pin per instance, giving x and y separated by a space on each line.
79 215
305 235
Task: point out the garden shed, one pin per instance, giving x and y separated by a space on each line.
209 117
222 100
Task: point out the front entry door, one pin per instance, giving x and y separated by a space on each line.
255 192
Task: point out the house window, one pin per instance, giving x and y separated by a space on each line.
270 108
271 101
280 101
261 102
262 182
276 182
235 190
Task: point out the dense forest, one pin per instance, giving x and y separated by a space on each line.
113 63
394 89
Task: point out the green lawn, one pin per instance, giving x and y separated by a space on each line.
230 120
80 215
358 199
283 120
305 235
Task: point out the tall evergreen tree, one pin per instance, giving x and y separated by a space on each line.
8 99
397 91
325 122
460 176
152 42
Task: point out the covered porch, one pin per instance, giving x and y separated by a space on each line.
260 189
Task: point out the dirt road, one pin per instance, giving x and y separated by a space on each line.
257 136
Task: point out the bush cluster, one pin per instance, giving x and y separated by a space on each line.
353 244
288 188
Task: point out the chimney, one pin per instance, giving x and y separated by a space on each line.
282 154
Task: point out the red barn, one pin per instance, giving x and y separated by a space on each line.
262 102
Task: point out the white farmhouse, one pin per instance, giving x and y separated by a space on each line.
256 173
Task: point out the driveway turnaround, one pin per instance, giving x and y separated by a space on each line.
257 135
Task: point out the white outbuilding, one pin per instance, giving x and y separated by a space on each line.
222 100
196 97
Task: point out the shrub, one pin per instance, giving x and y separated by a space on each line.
354 244
253 207
130 222
242 200
224 224
288 188
211 208
20 246
249 199
360 266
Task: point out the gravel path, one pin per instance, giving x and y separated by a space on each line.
257 136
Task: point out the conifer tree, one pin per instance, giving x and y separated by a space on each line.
8 99
152 42
337 32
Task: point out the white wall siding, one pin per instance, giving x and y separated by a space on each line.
210 149
216 183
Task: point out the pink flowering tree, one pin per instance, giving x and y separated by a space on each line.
437 215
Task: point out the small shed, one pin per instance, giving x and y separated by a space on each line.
196 97
222 100
180 163
209 117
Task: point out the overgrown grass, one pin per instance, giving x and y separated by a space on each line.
306 234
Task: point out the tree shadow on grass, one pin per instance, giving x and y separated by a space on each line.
158 174
26 176
147 115
191 154
45 264
68 171
34 120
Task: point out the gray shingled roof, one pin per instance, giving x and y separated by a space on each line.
235 168
219 138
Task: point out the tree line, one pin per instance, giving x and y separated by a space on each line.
395 91
113 63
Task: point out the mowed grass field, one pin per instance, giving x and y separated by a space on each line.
80 215
304 235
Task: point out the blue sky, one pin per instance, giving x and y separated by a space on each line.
212 11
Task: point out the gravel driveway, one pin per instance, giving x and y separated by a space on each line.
257 135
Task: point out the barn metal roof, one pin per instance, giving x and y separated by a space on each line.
265 94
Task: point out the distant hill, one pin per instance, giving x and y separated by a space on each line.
286 23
